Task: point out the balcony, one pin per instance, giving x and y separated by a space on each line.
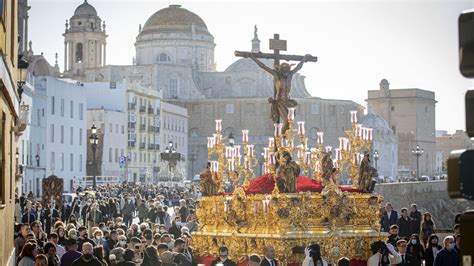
151 111
142 145
131 125
131 144
151 146
132 106
142 109
142 127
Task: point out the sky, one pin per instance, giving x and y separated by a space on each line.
412 43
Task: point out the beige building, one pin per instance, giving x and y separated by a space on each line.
446 143
9 127
410 113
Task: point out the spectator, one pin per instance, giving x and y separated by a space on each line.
427 227
50 251
457 246
393 237
183 210
28 254
151 257
389 217
407 258
87 258
383 254
223 258
62 238
313 256
447 256
175 228
20 240
83 238
167 259
41 260
72 254
98 252
181 253
415 249
128 256
404 225
254 260
53 238
432 250
415 217
269 257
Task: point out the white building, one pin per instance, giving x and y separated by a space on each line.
174 128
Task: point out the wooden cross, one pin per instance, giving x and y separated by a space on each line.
276 45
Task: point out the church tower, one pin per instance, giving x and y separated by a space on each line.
84 41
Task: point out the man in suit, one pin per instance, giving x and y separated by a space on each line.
269 257
223 258
407 258
389 218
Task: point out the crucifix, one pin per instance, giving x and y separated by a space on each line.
282 75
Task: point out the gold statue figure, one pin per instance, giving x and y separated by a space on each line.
208 185
281 101
287 172
366 174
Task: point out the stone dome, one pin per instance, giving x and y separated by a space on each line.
174 18
247 65
85 9
376 122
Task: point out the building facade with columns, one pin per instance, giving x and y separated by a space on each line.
410 113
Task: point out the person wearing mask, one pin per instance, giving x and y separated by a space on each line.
254 260
313 256
183 210
432 250
407 259
50 251
223 258
389 217
98 238
175 229
404 225
415 249
53 238
383 254
269 256
393 237
87 258
427 227
448 255
28 254
71 254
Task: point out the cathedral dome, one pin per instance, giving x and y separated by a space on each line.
174 18
374 121
85 9
247 65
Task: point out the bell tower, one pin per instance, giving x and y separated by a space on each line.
84 41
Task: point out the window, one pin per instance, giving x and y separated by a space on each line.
79 52
62 134
314 109
81 111
392 108
2 158
174 88
61 159
123 129
62 108
110 155
332 110
71 108
80 136
53 160
71 136
51 128
38 117
116 155
71 162
80 162
116 128
229 108
52 105
164 57
394 129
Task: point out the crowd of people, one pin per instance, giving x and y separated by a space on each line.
152 225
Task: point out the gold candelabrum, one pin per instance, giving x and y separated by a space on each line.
234 164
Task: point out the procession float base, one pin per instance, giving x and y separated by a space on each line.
343 223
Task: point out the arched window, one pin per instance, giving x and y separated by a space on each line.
164 57
79 52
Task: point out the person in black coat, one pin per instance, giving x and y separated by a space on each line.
447 256
415 248
389 217
404 225
407 258
393 237
223 258
432 248
269 257
415 216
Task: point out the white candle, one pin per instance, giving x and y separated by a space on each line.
245 135
265 153
291 114
301 128
341 143
237 151
271 142
300 151
320 137
308 157
250 150
218 125
371 130
359 130
277 131
209 142
353 117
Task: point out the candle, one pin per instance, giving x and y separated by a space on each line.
301 128
308 157
359 130
353 117
341 144
320 137
245 135
370 133
265 153
209 142
291 114
277 131
272 158
347 145
271 142
300 151
250 150
218 125
237 151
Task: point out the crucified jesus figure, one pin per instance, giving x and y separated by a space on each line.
281 101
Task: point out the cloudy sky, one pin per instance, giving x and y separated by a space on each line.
411 43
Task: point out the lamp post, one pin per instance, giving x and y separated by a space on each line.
376 158
417 151
17 157
171 156
37 157
94 140
22 75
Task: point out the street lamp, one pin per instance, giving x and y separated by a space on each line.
94 140
417 151
37 157
171 156
376 158
22 75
